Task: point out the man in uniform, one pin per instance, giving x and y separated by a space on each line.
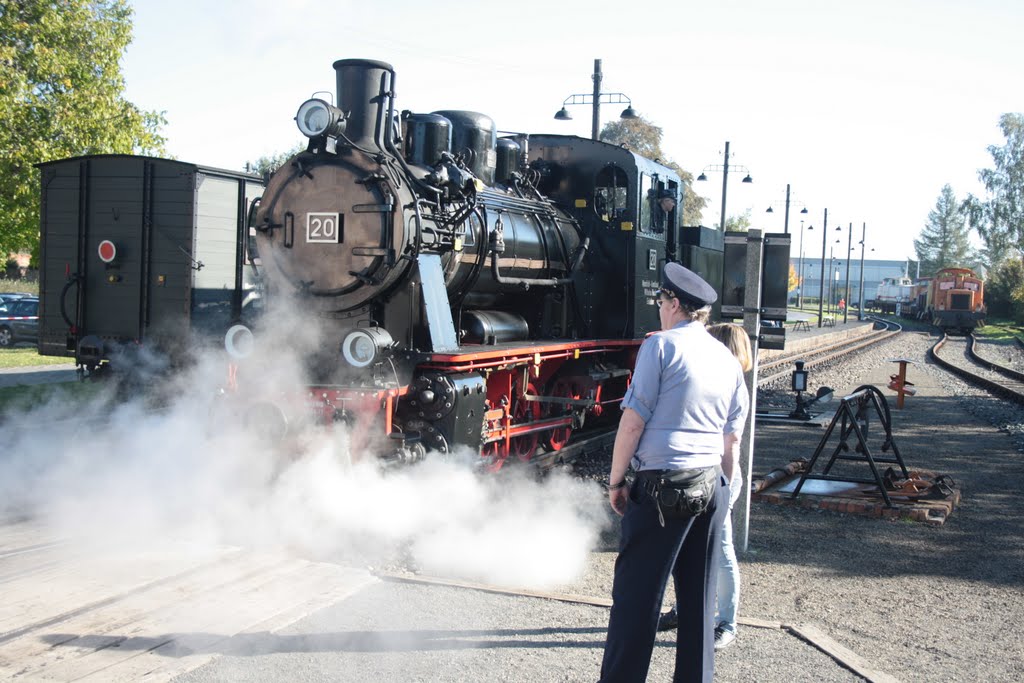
663 210
687 391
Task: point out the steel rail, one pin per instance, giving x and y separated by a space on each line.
1012 388
814 357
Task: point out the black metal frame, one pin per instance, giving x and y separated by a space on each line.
851 414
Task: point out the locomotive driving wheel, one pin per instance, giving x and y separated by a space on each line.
524 446
557 438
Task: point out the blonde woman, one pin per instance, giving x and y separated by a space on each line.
736 340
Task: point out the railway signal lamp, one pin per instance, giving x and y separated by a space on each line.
798 384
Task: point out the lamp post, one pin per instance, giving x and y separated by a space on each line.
594 99
831 289
724 168
849 250
800 295
863 248
785 224
821 294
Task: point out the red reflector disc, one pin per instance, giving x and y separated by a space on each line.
107 251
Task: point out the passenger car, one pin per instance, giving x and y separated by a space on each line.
7 298
20 322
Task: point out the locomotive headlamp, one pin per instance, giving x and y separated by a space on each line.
238 341
365 346
316 117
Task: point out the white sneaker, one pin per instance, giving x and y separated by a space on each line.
723 638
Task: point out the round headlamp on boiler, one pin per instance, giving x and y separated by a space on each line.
317 117
366 346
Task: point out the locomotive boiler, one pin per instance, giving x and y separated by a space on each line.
477 292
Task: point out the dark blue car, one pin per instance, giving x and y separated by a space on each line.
20 322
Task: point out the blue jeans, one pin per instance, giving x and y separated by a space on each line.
729 568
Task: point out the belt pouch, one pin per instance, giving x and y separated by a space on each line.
685 493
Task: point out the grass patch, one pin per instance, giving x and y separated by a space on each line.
999 331
29 287
27 397
29 357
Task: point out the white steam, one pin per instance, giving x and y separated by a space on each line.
194 469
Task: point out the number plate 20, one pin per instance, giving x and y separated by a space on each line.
324 227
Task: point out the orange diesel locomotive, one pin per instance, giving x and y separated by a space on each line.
956 299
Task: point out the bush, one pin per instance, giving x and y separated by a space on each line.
1004 290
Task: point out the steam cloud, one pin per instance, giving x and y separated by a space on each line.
123 471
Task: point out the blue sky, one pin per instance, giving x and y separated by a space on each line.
866 108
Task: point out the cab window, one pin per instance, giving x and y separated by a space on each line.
611 194
646 192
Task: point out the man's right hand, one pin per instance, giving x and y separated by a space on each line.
618 499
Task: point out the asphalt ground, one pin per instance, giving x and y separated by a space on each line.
913 602
39 374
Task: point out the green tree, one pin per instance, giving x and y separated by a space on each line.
267 165
60 96
738 223
644 138
999 218
1004 289
945 240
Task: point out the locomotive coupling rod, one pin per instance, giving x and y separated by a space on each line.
586 402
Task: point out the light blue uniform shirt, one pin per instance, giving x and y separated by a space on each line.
688 388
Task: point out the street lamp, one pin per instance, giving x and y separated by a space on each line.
821 293
800 296
849 251
863 248
785 224
595 100
832 275
724 168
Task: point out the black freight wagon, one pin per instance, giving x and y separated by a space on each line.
142 253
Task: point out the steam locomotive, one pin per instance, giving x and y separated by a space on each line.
477 292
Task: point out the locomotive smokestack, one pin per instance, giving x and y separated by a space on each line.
364 92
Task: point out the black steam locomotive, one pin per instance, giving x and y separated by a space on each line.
480 291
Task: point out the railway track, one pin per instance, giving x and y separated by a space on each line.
781 368
960 357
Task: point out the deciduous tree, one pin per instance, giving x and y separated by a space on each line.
269 164
945 240
739 223
644 138
60 96
999 217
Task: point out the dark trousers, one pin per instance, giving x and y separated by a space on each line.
687 549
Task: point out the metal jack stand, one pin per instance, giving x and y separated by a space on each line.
852 418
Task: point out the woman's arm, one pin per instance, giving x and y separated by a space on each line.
731 456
